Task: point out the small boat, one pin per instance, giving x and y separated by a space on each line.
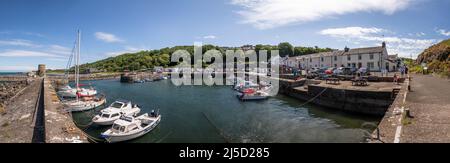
87 92
245 85
67 91
85 104
251 94
139 81
148 80
128 127
112 113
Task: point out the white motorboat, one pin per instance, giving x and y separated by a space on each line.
128 128
84 105
112 113
244 85
251 94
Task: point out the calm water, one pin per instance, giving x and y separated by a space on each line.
202 114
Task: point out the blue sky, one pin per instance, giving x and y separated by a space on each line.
33 32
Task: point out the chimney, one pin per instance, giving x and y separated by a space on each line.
346 49
383 44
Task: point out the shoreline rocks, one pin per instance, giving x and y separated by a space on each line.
9 89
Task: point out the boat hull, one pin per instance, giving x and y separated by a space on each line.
116 139
85 107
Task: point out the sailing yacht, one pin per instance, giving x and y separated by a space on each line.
67 90
84 101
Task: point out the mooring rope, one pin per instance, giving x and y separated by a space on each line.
312 99
83 131
217 129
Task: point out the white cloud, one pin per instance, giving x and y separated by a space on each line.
17 68
443 32
25 53
209 37
34 34
396 45
351 31
18 42
107 37
57 49
265 14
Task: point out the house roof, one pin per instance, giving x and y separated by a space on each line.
378 49
368 50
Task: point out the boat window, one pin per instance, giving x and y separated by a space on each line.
122 129
105 115
116 105
116 127
115 115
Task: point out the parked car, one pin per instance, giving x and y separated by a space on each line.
364 71
330 71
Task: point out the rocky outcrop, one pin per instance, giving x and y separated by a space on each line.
439 52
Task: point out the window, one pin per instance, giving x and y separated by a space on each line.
321 65
335 58
371 56
115 115
370 65
349 58
105 115
321 59
335 65
348 65
310 59
359 57
303 59
116 105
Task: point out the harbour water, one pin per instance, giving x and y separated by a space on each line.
204 114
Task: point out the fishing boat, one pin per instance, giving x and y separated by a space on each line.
112 113
252 94
84 99
128 127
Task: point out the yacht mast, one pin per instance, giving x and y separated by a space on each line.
77 68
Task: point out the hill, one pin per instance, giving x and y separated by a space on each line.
437 58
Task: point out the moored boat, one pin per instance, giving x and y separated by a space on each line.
252 94
128 127
112 113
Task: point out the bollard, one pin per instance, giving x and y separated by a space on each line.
408 113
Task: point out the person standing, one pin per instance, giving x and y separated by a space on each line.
406 70
402 71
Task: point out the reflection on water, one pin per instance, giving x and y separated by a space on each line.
203 114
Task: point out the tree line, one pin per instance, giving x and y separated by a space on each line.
148 59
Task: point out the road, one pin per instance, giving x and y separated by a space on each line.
429 102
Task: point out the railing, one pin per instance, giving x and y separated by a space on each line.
39 125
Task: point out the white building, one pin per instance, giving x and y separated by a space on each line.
372 58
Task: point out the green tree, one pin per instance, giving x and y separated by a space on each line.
286 49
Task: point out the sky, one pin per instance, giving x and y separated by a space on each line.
34 32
